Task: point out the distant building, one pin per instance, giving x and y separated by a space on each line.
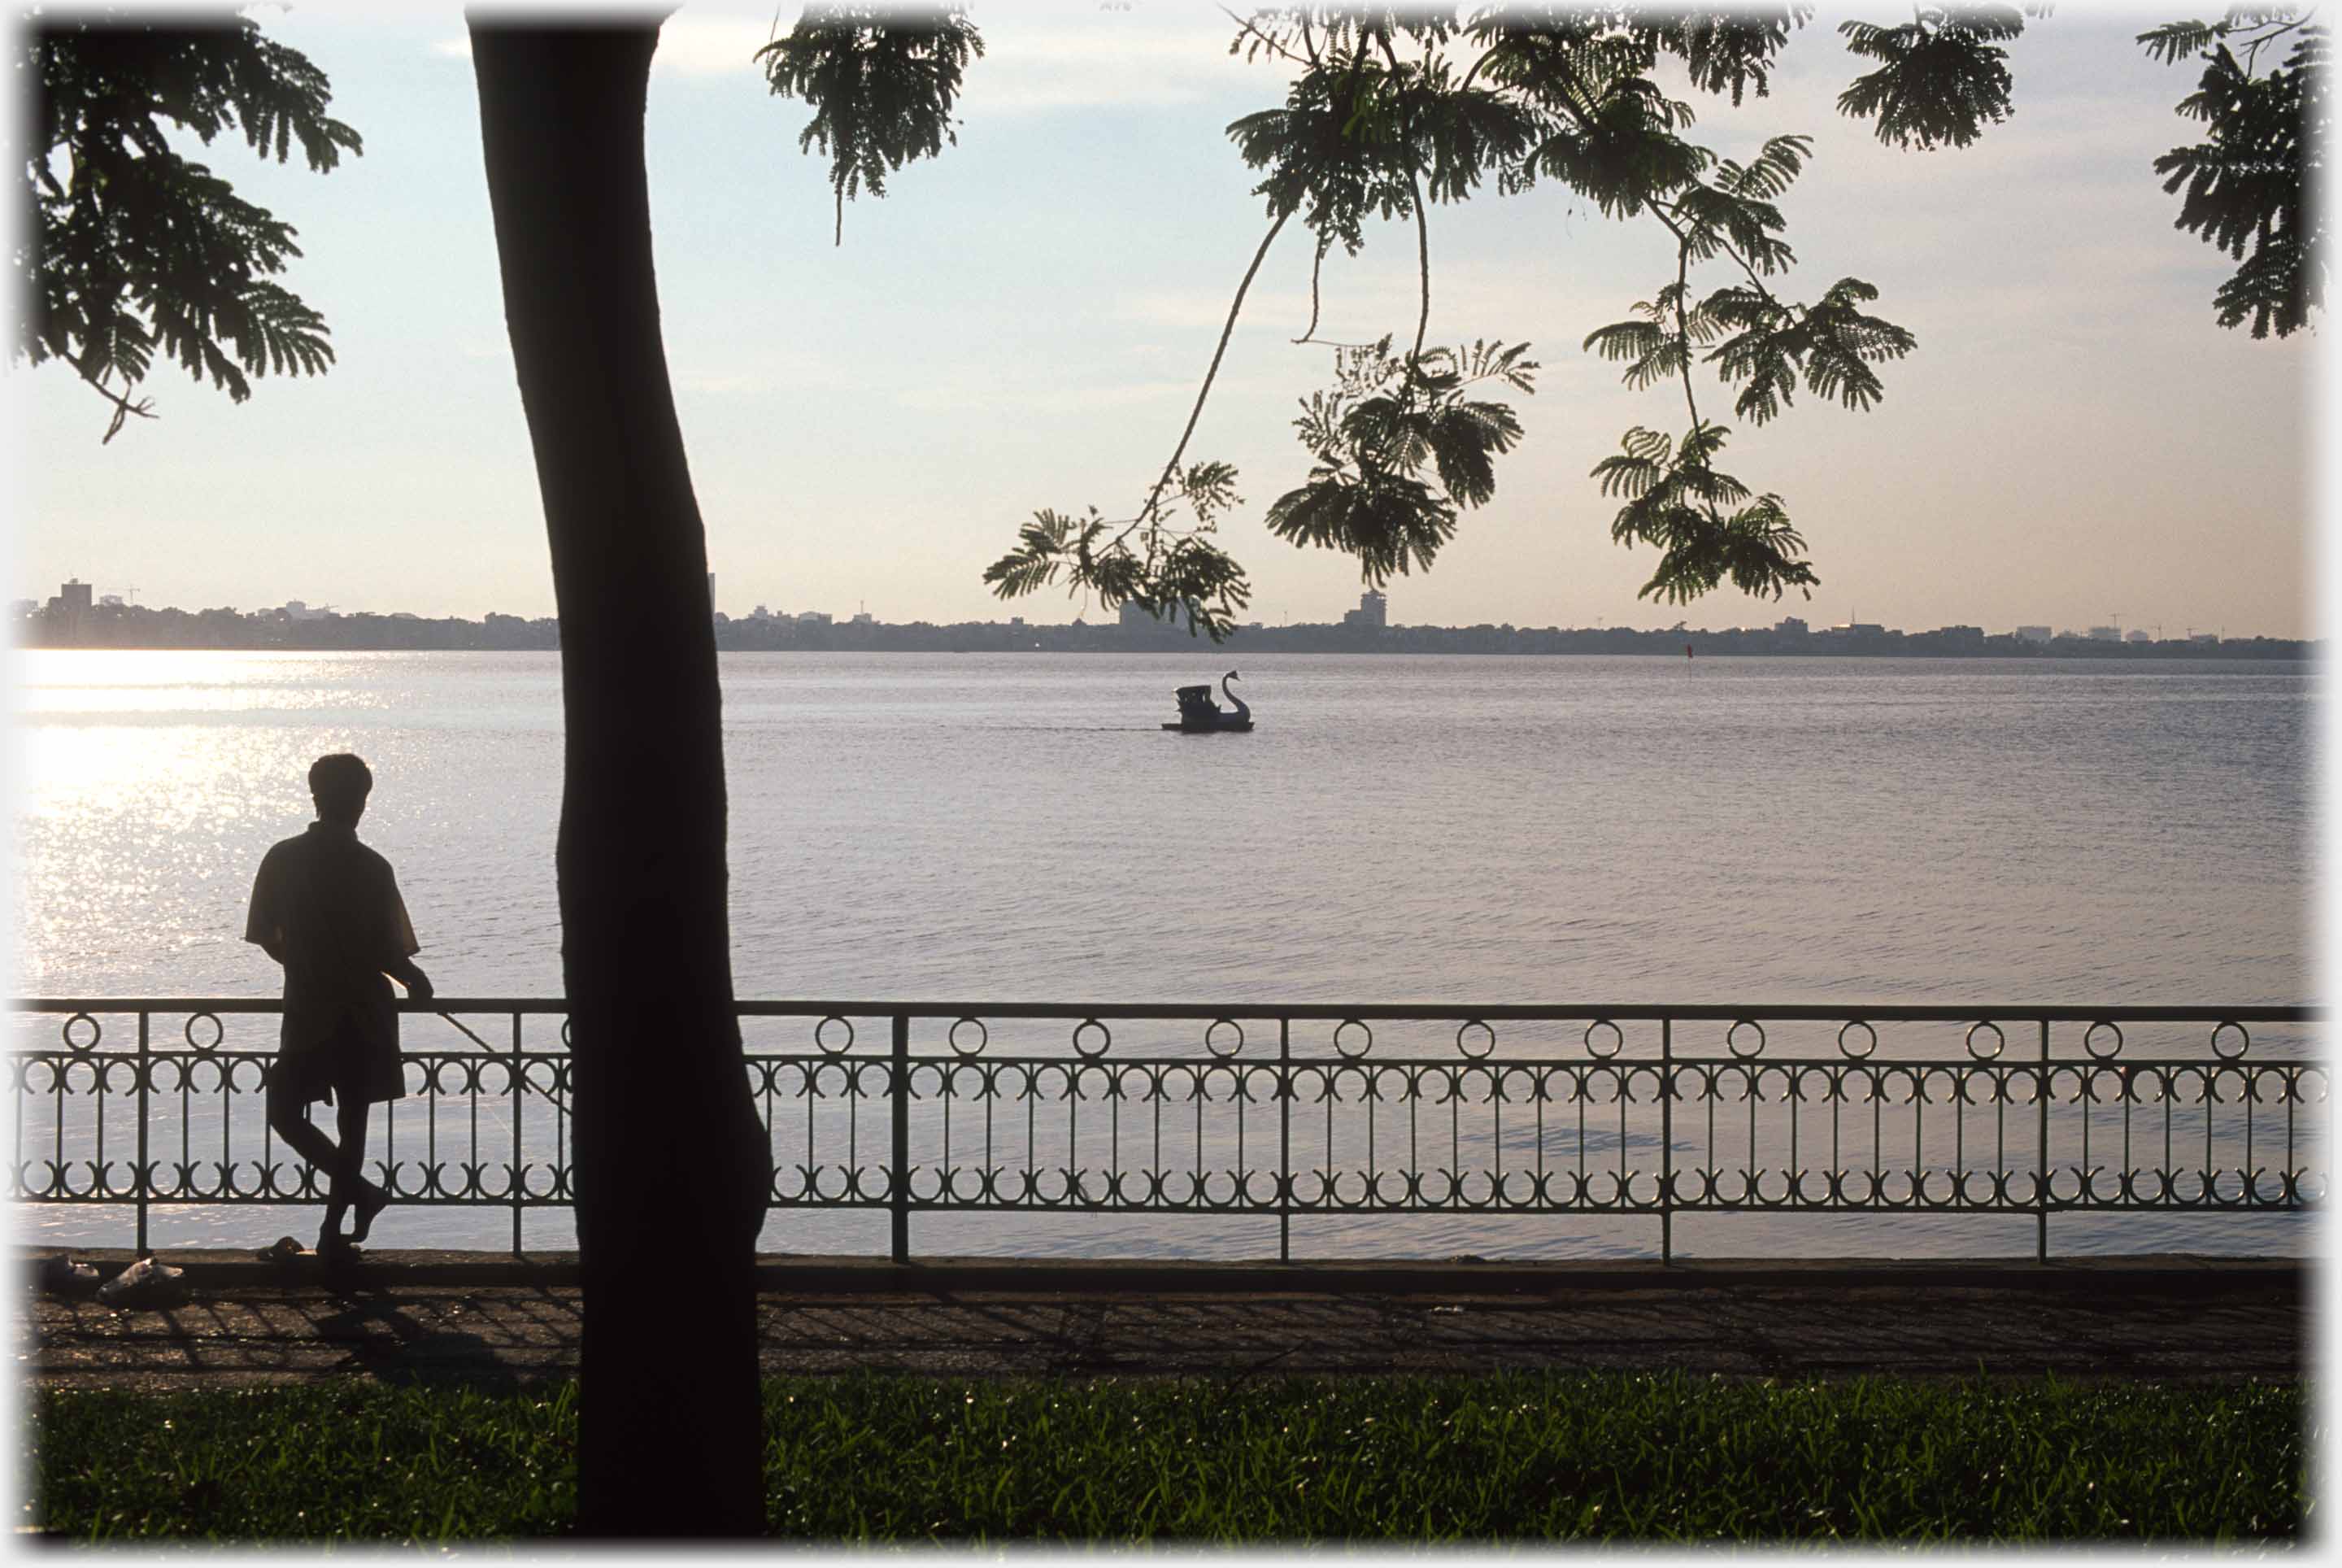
2106 634
760 613
2134 635
862 618
1373 610
72 597
113 600
2205 639
813 617
2032 634
1960 634
1016 621
1790 626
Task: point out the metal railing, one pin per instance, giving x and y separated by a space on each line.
1282 1111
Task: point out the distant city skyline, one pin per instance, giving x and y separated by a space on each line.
1372 609
1022 322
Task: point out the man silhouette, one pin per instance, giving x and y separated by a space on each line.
327 908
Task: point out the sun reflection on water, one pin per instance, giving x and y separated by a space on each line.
58 683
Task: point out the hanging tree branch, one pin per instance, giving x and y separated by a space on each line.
1350 140
1227 328
123 406
1316 262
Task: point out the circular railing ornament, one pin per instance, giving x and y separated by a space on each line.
1105 1044
1343 1050
1732 1039
564 1033
1848 1051
823 1046
1617 1040
983 1037
204 1047
2091 1035
1999 1041
96 1034
1213 1028
1487 1042
2244 1039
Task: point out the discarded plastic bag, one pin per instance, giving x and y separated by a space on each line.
148 1282
62 1276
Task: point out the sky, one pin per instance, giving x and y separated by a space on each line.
1022 324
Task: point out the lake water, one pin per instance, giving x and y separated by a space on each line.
1440 829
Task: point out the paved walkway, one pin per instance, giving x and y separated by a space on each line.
427 1318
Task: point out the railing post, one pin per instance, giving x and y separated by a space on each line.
1667 1140
1285 1140
519 1068
2041 1157
145 1069
898 1189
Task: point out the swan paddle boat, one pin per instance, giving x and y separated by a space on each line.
1199 713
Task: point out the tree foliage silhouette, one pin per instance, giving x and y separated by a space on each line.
2251 184
1940 79
1384 118
882 80
130 248
1388 114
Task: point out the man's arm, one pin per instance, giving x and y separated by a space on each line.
403 970
265 926
402 967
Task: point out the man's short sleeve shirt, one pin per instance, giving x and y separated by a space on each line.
331 905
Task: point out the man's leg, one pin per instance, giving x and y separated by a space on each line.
288 1117
365 1199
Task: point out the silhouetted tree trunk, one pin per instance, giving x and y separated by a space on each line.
671 1167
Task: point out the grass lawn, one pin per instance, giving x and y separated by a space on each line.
1540 1456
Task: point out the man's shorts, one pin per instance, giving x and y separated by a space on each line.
343 1062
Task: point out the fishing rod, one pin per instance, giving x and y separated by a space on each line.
464 1030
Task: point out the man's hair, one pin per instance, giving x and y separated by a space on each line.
339 782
